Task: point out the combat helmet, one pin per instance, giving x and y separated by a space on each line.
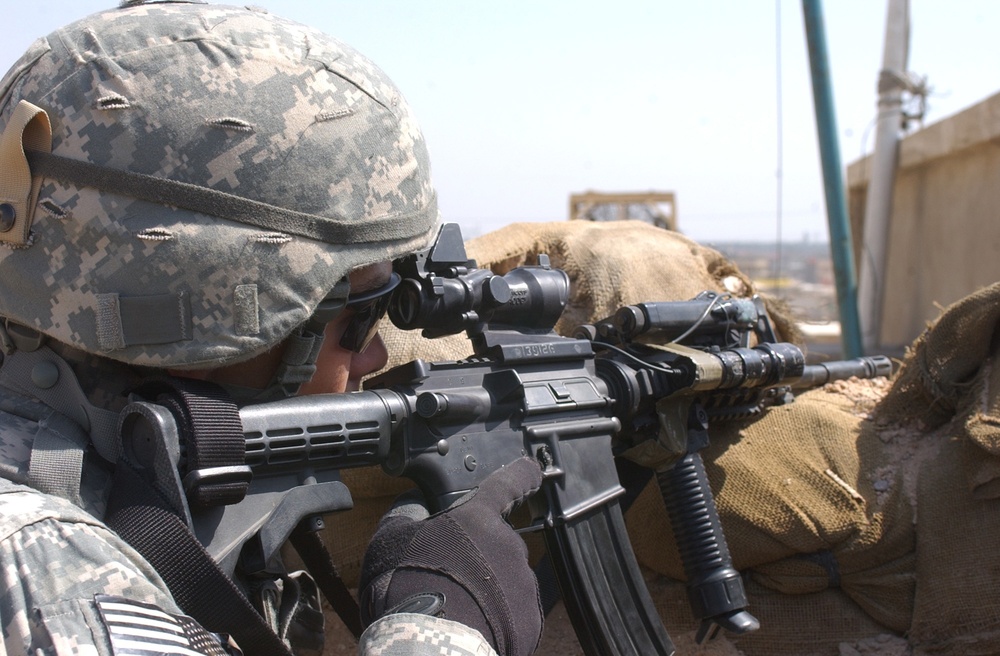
181 184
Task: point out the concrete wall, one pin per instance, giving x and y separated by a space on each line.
944 233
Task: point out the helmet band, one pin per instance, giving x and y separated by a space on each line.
226 206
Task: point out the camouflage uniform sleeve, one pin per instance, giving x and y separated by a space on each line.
54 559
411 634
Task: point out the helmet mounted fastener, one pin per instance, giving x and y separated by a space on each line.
28 129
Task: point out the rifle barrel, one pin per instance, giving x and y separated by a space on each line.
816 375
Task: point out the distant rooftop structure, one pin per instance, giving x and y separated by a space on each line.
656 207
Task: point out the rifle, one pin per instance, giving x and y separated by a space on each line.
713 358
573 403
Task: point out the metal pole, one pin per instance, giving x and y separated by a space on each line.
841 248
878 207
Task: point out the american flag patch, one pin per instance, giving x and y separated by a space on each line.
138 629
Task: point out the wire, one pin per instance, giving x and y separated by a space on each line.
634 358
711 306
708 310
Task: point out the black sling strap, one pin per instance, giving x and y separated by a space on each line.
202 590
209 424
215 471
316 557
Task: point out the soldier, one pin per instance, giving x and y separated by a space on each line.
182 187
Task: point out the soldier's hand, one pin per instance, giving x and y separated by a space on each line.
465 564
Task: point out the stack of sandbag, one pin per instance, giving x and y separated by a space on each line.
945 405
824 536
865 507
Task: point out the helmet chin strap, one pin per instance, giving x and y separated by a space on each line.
301 350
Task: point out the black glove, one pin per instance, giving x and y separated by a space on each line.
465 564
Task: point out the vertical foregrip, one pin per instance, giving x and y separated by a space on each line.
715 589
603 589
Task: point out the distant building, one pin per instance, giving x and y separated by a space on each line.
656 207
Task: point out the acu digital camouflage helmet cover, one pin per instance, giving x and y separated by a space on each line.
213 172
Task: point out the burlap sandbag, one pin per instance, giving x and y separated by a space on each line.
795 490
940 368
613 264
957 611
948 392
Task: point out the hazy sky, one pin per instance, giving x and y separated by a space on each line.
523 103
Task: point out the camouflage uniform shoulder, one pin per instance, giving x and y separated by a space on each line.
29 426
46 533
22 506
412 634
54 558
